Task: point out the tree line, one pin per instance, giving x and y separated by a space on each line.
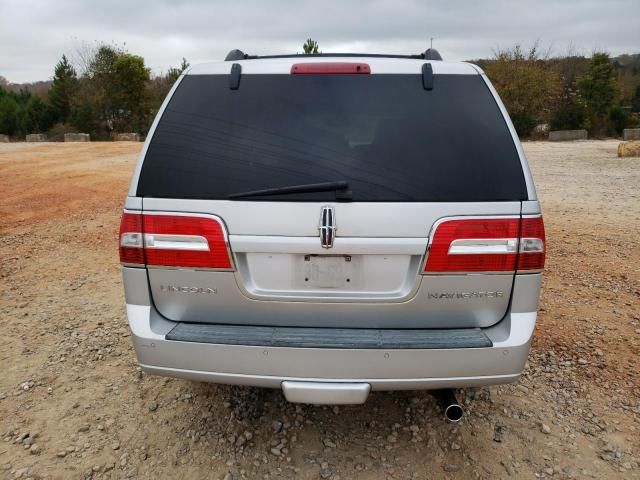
109 90
599 94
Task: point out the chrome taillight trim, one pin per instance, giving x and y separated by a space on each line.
483 246
163 241
437 223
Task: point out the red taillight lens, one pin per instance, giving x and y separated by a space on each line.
532 244
474 245
184 241
130 239
348 68
174 241
487 245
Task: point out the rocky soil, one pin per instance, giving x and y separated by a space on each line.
73 403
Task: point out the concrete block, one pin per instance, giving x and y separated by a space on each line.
127 137
36 137
631 134
4 138
77 137
565 135
629 149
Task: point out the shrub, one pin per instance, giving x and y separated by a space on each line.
56 133
524 123
618 120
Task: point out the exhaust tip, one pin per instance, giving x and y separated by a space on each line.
453 413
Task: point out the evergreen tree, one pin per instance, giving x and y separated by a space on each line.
635 101
598 90
22 113
62 90
174 72
8 111
310 47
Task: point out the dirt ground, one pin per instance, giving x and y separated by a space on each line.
73 403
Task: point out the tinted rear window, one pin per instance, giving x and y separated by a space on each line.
384 134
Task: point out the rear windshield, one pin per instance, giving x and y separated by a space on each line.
385 135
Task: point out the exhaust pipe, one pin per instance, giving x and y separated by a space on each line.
453 411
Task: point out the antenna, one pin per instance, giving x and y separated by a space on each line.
431 45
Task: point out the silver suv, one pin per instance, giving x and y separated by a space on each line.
331 225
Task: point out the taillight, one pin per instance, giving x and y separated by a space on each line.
130 239
474 245
348 68
168 240
532 244
486 245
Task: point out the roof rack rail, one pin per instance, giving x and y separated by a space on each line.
432 54
429 54
237 54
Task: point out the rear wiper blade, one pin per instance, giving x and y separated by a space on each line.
341 188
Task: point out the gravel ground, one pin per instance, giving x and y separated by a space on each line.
73 403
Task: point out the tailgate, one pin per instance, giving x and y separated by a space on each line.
283 276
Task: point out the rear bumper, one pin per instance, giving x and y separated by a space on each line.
378 384
365 368
382 369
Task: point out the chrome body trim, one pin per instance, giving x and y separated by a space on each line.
341 246
357 219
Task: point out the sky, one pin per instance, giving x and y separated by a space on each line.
35 34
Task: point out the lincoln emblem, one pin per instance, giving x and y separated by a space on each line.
327 226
